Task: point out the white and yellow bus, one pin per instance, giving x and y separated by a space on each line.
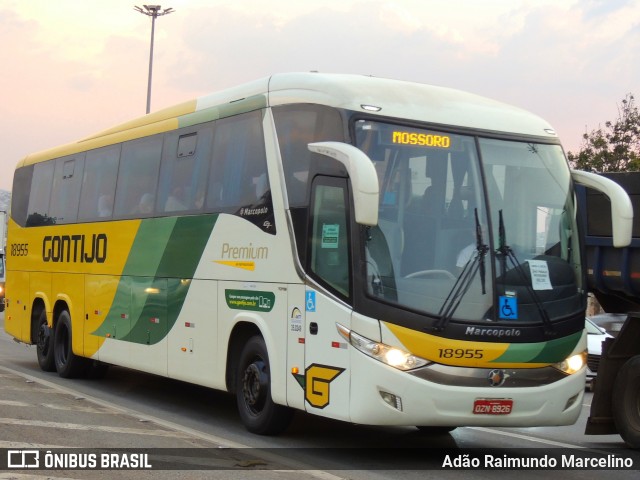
368 250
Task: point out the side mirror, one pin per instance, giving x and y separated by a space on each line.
364 178
621 208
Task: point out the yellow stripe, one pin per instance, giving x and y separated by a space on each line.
159 122
120 238
245 265
454 352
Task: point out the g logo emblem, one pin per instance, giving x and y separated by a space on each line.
316 382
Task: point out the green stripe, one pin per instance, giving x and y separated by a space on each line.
249 104
552 351
156 278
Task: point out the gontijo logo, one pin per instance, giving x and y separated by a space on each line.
75 248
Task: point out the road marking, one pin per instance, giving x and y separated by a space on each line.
299 468
53 406
27 445
30 389
11 403
524 437
99 428
539 440
79 408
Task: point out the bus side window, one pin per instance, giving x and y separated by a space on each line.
183 173
67 181
138 177
20 193
38 210
297 126
239 166
99 183
329 235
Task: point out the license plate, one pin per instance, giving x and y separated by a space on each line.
492 406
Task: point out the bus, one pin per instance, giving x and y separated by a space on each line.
369 250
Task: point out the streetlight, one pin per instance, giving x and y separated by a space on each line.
152 11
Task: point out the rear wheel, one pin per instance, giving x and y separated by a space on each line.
626 402
44 344
68 364
258 412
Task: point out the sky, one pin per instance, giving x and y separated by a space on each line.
69 68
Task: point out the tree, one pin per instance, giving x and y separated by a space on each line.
614 148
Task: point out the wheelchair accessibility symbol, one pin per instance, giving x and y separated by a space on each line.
311 301
508 308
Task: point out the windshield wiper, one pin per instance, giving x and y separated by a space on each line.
461 287
506 253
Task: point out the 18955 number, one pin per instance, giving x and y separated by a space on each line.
19 249
460 353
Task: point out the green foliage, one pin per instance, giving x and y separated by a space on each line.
614 148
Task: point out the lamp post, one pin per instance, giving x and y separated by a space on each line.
153 11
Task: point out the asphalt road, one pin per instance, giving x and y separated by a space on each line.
189 427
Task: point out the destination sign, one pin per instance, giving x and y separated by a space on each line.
434 140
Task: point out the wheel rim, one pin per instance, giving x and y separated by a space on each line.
44 338
255 386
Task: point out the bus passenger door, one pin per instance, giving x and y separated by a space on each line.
326 375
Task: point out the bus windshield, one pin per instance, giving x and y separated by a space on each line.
472 229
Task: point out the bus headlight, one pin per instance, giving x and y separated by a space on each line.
572 364
392 356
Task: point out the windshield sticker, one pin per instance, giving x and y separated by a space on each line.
330 235
540 275
508 307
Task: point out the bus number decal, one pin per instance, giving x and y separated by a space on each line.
19 249
460 353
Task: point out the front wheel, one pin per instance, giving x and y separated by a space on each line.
258 412
626 402
68 364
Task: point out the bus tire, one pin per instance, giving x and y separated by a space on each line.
44 344
258 412
626 402
68 364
